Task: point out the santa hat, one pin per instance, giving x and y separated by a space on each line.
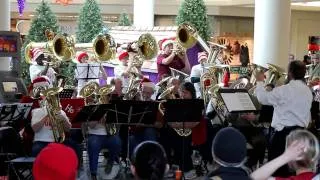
202 56
147 83
35 53
56 161
123 55
39 81
81 56
166 42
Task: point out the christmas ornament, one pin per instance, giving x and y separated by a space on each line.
21 6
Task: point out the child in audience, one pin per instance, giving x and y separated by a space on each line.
301 154
149 161
56 161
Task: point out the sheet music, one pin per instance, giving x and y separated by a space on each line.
240 101
87 71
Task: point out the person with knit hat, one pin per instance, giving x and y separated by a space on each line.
170 58
55 161
120 71
147 89
82 57
197 71
229 152
39 68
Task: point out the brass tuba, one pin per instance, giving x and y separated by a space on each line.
61 47
275 75
147 46
104 98
219 105
89 93
207 80
53 109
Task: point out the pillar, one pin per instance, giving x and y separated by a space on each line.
5 26
272 32
143 13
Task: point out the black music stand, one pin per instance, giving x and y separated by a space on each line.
12 114
130 112
66 93
183 111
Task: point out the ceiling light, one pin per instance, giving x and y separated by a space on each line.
311 4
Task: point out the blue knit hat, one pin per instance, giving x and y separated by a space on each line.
229 148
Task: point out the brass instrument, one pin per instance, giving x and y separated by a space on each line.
219 105
168 94
133 90
178 74
89 93
104 98
62 47
275 75
207 80
103 47
53 109
147 46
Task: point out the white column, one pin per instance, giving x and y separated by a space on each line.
272 32
4 26
143 13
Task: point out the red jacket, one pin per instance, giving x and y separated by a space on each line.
199 133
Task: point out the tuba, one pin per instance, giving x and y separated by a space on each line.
219 105
53 109
89 93
104 98
168 94
62 47
207 80
276 75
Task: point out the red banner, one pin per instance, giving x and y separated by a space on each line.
72 107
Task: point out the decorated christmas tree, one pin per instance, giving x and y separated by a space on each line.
44 19
90 22
124 20
195 12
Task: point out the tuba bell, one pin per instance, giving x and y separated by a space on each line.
104 47
53 109
147 46
89 93
207 80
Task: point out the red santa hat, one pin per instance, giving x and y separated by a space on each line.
40 81
202 56
166 42
145 82
56 161
123 55
81 56
35 53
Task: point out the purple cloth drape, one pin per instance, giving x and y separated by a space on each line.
193 54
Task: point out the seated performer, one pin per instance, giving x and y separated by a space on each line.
117 83
198 137
302 155
140 134
229 153
100 139
197 71
169 58
39 68
149 161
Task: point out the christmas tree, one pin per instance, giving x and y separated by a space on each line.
124 20
90 22
195 12
44 19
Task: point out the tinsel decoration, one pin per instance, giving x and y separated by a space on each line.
21 6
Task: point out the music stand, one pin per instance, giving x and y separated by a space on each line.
66 94
183 111
11 113
238 100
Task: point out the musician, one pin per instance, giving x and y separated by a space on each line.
117 83
100 139
121 71
41 125
197 71
316 70
140 134
292 103
170 58
172 141
39 68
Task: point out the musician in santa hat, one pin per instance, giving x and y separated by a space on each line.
41 66
147 89
170 57
197 71
121 71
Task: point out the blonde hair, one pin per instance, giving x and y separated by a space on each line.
311 151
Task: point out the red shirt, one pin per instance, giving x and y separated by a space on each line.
302 176
199 133
177 63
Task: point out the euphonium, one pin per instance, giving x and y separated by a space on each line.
207 80
104 98
219 105
53 109
147 46
88 92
